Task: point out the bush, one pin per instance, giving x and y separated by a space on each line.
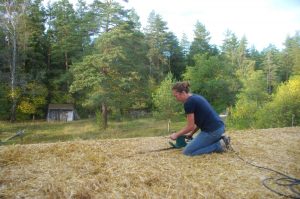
252 98
243 115
284 109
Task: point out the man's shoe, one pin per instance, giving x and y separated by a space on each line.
223 145
226 140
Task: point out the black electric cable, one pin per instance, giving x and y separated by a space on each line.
285 181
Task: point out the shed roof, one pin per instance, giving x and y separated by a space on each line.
61 106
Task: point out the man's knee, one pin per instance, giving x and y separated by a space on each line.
187 151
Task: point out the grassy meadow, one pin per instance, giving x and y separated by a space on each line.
42 131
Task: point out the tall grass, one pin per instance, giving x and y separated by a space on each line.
42 131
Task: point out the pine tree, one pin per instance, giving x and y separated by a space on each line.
33 43
65 36
270 67
66 43
176 57
230 47
185 45
290 58
107 15
156 33
116 71
84 17
200 44
212 78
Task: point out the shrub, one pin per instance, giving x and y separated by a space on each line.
284 109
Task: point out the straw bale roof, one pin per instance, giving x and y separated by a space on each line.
61 106
132 168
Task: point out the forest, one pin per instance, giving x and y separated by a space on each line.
98 57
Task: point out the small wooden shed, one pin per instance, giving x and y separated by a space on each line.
61 112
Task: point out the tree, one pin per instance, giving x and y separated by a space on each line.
4 61
176 60
256 56
135 19
242 54
237 55
66 41
290 57
32 43
230 47
33 99
11 13
116 71
212 78
158 54
164 54
200 44
84 16
166 106
123 58
107 15
185 45
270 67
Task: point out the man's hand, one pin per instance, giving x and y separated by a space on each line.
173 136
189 135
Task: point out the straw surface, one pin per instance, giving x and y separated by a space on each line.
132 168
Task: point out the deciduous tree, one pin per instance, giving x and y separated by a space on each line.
166 106
11 14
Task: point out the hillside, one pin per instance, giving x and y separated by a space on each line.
134 168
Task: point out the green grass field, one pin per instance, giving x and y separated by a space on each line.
42 131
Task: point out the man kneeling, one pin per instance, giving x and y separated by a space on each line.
200 115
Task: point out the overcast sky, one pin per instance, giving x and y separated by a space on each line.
261 21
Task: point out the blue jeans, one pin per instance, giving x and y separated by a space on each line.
205 142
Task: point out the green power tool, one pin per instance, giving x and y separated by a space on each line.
180 142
